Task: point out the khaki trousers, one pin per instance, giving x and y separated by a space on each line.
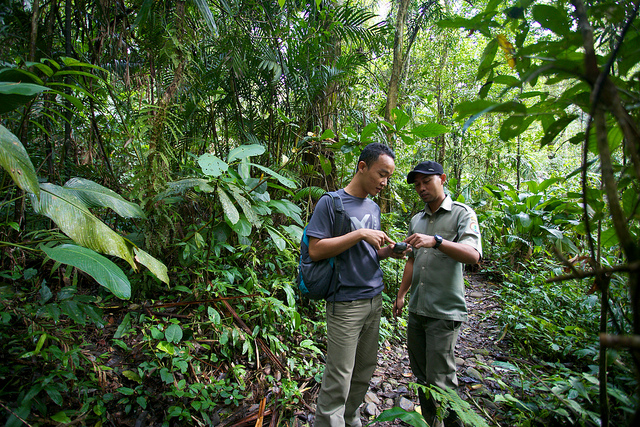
352 355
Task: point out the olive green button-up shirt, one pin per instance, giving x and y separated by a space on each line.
437 287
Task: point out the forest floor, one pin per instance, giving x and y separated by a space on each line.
480 345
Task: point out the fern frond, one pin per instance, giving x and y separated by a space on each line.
313 192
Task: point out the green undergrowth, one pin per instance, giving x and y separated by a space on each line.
552 328
198 352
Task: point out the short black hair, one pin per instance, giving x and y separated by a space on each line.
371 152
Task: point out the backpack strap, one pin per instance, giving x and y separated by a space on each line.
338 230
338 208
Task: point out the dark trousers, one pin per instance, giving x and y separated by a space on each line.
431 343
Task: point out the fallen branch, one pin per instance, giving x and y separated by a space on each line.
14 414
581 274
250 419
260 419
265 348
620 341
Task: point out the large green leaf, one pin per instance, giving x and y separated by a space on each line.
180 186
229 209
212 165
15 160
412 418
288 209
514 126
95 195
554 129
506 107
247 208
76 221
244 151
22 89
429 130
17 87
472 107
486 61
368 131
283 180
277 238
552 18
400 118
104 271
242 228
154 266
173 333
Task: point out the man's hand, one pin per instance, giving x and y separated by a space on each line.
397 306
375 238
388 251
418 240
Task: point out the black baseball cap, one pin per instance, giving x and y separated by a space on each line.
426 168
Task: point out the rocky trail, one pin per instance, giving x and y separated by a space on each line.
479 346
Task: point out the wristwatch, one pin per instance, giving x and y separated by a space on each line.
438 241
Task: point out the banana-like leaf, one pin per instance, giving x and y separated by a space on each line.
97 266
18 87
15 160
22 89
95 195
155 266
230 210
76 221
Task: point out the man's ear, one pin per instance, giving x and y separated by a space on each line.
443 178
361 165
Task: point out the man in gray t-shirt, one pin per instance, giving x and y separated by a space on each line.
353 317
360 274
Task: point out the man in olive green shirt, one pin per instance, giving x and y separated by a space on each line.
444 237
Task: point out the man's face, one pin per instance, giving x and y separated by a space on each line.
429 187
376 176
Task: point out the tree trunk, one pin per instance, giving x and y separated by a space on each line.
156 141
398 60
68 108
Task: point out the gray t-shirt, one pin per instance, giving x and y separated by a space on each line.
360 275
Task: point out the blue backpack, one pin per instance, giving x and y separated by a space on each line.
318 279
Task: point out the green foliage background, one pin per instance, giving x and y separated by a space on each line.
159 160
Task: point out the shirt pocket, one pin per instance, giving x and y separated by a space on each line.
448 236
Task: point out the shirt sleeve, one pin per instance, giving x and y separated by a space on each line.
409 233
469 230
321 223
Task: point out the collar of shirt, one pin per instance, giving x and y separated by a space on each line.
446 204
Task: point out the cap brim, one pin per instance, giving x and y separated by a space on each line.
411 176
